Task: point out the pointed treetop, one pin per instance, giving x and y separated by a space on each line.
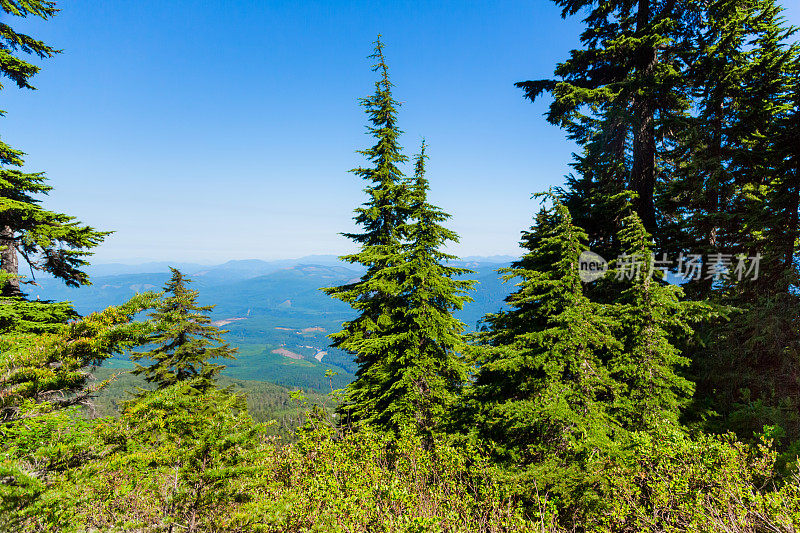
406 341
420 183
380 64
383 214
184 340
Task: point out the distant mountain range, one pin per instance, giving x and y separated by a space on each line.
275 312
236 267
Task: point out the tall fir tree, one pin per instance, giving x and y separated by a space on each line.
405 340
698 193
768 164
416 382
692 107
654 321
727 157
376 296
48 241
185 340
738 195
543 396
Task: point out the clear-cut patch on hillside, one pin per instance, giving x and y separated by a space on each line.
286 353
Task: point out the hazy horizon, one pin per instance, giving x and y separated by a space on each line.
145 260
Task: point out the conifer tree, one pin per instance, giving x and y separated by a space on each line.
613 94
52 367
769 157
48 241
417 380
22 316
405 340
699 194
543 396
736 192
376 296
653 317
692 106
206 441
596 194
185 341
728 156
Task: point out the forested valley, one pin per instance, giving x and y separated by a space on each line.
643 374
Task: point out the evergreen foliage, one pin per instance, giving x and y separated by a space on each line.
204 441
48 241
728 160
689 109
185 341
419 378
22 316
406 343
12 66
543 395
654 319
53 368
614 95
734 191
376 297
579 411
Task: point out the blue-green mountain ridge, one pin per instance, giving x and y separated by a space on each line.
274 311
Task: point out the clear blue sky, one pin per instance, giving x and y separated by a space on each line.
214 130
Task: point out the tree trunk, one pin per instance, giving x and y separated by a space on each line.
643 171
793 217
9 262
713 193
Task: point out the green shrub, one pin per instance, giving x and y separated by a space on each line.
671 482
366 481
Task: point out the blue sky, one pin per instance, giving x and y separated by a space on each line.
210 130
